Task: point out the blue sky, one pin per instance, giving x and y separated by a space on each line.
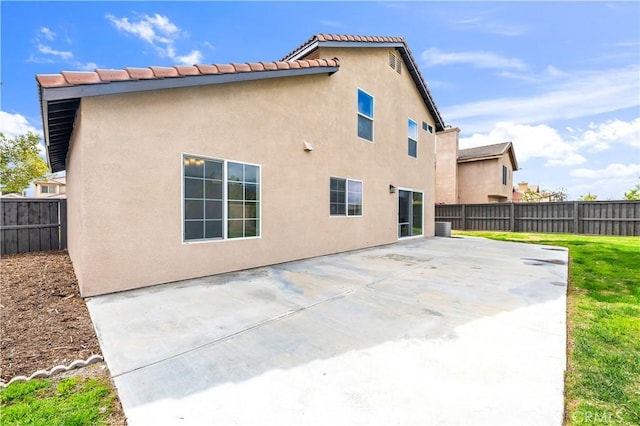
559 79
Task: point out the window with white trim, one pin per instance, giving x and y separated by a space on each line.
365 115
504 175
427 127
345 197
221 199
412 139
47 189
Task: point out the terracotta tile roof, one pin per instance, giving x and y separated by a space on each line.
60 94
75 78
488 151
334 40
344 38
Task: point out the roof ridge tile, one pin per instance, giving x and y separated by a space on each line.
241 67
162 72
139 73
81 77
112 74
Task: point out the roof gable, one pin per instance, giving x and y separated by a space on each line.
338 40
60 94
488 152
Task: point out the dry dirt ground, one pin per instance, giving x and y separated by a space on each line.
43 320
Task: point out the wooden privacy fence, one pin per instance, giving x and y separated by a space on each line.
572 217
33 224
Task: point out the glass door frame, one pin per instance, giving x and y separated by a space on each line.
411 215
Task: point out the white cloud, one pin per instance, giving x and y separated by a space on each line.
478 59
490 26
47 33
13 125
159 32
600 137
47 50
529 142
582 94
88 66
194 57
609 183
612 171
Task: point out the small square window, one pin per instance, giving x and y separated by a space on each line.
345 197
427 127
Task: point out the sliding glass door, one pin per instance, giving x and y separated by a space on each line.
409 213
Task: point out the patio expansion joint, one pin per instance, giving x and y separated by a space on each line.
251 327
286 314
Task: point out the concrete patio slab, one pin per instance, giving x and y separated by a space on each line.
447 331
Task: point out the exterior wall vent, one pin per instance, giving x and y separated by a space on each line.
395 63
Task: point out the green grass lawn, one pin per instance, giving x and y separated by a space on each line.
70 402
602 384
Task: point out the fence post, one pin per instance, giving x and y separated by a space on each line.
464 218
512 218
62 217
576 219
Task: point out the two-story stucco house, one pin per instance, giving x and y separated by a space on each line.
216 168
485 173
50 188
482 174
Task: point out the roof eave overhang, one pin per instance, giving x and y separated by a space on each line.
472 159
512 156
130 86
73 94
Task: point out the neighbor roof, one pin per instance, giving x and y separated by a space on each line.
341 40
487 152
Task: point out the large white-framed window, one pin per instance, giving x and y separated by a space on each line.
243 200
412 147
345 197
221 199
365 115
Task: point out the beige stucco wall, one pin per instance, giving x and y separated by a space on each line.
124 171
481 181
447 166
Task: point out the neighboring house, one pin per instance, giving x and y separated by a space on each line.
50 188
217 168
528 193
11 195
483 174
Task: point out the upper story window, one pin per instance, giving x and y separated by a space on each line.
413 138
47 189
505 172
365 115
210 212
345 197
427 127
